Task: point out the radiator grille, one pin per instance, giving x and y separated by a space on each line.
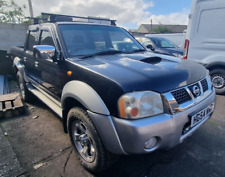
183 95
204 85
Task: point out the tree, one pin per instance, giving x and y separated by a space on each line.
10 12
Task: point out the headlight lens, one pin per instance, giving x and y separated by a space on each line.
140 104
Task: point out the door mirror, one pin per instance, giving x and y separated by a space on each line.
149 46
45 52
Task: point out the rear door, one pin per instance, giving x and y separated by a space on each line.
28 59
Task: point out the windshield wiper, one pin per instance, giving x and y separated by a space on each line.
107 52
137 50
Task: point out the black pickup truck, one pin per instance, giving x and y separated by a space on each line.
113 96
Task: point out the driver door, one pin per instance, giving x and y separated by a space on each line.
50 74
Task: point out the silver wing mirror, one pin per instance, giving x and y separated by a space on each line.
44 51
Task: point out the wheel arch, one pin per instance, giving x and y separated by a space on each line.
20 67
219 81
80 94
217 65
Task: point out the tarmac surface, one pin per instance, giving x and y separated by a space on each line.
34 144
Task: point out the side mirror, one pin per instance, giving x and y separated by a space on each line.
45 52
149 46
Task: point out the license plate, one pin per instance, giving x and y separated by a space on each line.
202 115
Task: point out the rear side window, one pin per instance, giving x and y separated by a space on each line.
46 38
31 40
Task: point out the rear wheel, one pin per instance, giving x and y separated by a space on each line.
218 80
86 141
26 95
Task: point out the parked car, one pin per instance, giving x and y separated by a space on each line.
114 96
176 38
161 45
205 39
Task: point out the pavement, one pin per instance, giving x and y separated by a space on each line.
34 144
9 164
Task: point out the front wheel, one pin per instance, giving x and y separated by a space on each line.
218 80
86 141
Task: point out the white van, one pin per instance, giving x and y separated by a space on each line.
205 39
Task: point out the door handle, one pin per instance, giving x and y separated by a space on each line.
36 64
24 58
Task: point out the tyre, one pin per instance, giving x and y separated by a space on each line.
26 95
218 80
87 143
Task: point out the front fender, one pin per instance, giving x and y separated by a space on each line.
97 110
85 95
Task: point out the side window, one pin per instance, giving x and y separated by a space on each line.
31 40
46 38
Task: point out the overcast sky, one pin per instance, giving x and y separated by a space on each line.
128 13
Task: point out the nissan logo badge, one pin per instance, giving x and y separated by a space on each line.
196 90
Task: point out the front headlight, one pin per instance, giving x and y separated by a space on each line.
140 104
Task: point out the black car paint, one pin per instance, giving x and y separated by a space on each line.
111 76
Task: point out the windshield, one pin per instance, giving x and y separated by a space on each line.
163 43
83 40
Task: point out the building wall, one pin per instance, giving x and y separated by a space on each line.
147 28
142 29
12 35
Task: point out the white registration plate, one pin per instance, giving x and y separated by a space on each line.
202 115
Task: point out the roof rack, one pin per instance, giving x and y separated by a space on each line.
47 17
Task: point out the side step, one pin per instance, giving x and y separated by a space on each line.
46 99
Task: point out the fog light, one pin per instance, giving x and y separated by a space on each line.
151 143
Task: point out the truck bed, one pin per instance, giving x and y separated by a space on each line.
17 51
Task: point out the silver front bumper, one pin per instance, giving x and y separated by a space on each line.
168 128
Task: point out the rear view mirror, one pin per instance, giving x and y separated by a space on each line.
149 46
44 52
